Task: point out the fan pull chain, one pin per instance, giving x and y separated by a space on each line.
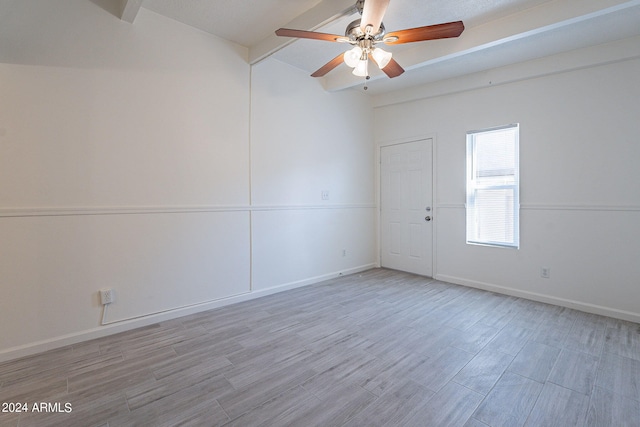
366 79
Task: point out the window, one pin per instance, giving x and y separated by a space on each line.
493 200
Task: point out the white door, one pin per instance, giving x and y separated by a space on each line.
406 214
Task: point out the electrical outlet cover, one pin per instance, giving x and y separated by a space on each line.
107 296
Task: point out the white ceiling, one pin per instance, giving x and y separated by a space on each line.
245 22
497 32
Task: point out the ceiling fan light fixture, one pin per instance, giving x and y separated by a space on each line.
366 32
362 69
382 57
352 56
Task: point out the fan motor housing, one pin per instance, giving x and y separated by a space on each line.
355 33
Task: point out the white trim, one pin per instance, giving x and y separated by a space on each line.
315 279
138 210
434 208
378 190
250 170
558 207
311 207
451 205
112 210
553 207
493 129
152 318
407 140
549 299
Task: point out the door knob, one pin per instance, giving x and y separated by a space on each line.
427 218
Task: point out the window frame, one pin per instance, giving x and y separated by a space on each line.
473 186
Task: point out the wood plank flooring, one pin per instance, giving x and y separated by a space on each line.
379 348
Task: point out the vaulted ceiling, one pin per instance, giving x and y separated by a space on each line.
497 32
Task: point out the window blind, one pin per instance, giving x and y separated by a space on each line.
493 187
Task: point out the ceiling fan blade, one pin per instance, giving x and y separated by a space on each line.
329 66
393 69
372 14
302 34
430 32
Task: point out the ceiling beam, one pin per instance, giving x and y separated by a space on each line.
539 20
130 9
323 13
590 56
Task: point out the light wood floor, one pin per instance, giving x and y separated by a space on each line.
371 349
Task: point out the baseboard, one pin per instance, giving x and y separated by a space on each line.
549 299
126 325
117 327
312 280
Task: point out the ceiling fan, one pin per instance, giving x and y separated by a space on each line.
365 33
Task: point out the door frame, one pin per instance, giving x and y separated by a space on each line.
378 190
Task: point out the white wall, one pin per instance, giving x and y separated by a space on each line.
305 141
128 160
580 198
